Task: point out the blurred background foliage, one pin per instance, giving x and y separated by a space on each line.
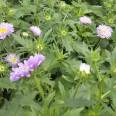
57 88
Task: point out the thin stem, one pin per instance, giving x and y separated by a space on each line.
77 86
108 92
105 94
97 44
97 72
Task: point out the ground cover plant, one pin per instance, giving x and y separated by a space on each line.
58 58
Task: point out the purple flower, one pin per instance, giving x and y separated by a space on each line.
35 61
12 59
24 69
15 74
6 29
35 30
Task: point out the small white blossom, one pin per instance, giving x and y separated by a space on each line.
85 68
85 20
104 31
35 30
12 59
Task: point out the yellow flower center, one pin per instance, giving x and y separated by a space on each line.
3 30
13 60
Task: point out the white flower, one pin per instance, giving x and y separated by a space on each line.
35 30
104 31
85 20
12 58
85 68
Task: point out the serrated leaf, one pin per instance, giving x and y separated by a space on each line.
49 98
26 43
5 83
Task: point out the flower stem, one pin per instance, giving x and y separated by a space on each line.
97 44
76 89
108 92
105 94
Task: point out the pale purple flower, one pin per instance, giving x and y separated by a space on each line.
19 72
35 61
35 30
25 69
15 74
85 20
6 29
12 59
104 31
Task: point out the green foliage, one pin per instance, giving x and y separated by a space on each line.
58 87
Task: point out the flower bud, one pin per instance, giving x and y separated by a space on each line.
25 34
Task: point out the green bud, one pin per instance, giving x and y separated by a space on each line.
39 47
62 4
25 34
3 67
63 32
11 12
48 17
111 21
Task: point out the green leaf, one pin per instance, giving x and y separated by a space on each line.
47 34
114 97
49 98
74 112
26 43
61 88
6 83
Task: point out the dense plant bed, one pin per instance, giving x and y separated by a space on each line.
57 58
